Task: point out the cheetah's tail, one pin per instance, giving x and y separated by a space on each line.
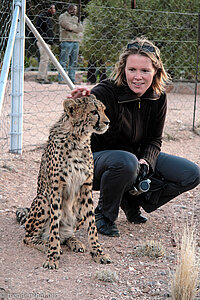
21 215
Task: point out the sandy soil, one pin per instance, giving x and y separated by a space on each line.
131 275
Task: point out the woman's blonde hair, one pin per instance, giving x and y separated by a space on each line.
143 47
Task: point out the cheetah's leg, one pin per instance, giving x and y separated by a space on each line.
36 219
88 214
54 249
37 243
80 221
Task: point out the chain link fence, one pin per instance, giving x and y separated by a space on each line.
5 23
106 31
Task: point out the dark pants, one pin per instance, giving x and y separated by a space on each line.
115 173
92 71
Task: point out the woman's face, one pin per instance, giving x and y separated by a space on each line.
139 73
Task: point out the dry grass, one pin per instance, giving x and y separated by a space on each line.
152 249
107 275
185 279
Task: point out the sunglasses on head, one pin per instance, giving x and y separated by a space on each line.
144 47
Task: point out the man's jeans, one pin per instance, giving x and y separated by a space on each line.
69 55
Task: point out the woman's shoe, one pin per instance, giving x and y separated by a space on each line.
43 81
132 210
137 219
105 226
134 217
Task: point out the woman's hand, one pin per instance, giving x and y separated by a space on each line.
144 162
80 92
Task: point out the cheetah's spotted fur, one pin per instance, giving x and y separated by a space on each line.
64 191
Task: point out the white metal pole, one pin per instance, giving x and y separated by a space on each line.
17 76
49 53
8 55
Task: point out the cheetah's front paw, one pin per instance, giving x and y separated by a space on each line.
51 264
101 258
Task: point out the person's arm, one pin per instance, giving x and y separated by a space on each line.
103 92
66 24
39 24
49 32
151 145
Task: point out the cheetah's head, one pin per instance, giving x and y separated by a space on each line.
88 113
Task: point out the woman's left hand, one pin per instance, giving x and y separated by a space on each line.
144 162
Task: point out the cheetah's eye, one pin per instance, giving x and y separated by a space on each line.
94 112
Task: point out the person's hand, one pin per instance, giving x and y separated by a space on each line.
80 92
144 162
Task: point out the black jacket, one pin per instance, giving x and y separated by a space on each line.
44 26
136 124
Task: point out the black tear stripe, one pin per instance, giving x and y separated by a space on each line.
98 121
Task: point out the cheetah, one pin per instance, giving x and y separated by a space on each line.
64 189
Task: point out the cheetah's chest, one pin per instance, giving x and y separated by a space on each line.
78 170
70 163
77 166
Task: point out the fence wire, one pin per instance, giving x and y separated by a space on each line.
106 31
5 23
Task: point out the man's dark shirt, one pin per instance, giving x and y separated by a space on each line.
44 26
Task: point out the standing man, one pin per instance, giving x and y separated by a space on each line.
70 36
44 26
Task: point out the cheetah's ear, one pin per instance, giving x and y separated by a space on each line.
69 105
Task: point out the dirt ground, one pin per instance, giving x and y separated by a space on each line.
132 275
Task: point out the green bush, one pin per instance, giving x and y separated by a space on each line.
30 62
111 24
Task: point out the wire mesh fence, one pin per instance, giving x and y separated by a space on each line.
106 32
5 23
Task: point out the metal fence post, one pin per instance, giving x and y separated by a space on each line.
8 56
17 79
197 71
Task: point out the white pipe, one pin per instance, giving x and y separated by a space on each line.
49 53
17 79
8 54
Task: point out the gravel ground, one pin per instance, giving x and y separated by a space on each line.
133 273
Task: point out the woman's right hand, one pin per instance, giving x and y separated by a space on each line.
80 92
